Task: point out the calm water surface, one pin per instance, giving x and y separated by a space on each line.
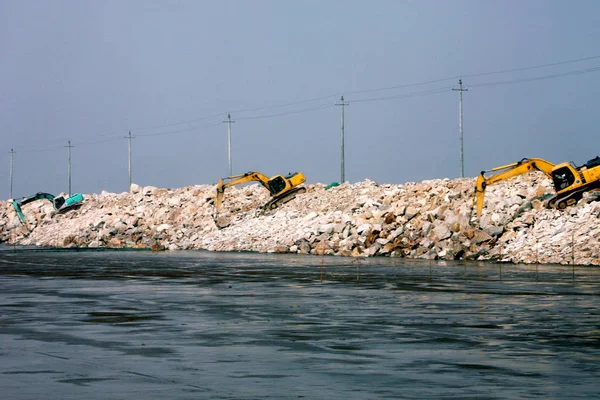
198 325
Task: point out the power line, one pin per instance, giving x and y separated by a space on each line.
445 89
62 138
473 75
532 67
41 148
288 112
178 123
538 78
110 136
245 110
179 130
426 92
281 105
97 141
24 150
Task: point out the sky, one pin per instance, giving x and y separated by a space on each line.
89 72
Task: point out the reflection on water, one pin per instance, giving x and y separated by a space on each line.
247 326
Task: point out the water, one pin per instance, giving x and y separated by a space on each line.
198 325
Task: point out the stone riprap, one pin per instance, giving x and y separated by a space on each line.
430 219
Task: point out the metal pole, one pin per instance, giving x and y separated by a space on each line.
69 152
229 144
129 157
12 152
129 160
229 122
342 168
460 126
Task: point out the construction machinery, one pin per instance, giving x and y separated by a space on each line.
282 188
60 203
570 181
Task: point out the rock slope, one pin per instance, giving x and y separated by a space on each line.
430 219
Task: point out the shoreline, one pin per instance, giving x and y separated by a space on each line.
20 249
422 220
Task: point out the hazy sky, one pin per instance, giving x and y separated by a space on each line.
170 71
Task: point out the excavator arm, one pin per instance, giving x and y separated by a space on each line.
229 181
60 203
282 189
21 202
506 172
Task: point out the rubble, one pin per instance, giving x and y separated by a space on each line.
431 220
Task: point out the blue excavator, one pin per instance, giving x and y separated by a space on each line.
60 203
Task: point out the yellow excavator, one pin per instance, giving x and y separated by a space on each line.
282 188
570 181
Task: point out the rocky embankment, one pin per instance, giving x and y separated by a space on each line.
429 219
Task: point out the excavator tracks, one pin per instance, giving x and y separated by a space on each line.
276 202
572 198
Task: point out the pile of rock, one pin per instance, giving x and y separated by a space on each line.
430 219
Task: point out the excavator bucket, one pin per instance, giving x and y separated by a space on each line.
19 212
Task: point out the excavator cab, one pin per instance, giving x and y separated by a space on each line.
59 201
562 178
276 185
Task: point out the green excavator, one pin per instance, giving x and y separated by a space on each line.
60 203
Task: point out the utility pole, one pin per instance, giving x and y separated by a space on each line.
229 122
460 125
129 158
69 147
12 152
343 169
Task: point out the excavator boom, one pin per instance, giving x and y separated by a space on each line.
229 181
508 171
